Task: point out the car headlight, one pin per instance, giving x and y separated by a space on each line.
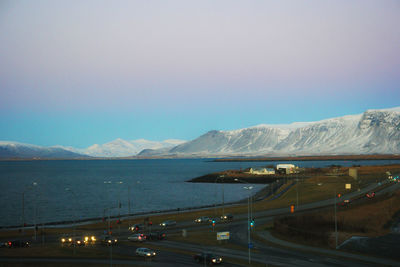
70 239
109 241
214 260
63 240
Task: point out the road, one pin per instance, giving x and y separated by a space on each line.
262 253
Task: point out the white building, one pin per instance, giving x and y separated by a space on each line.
261 171
289 168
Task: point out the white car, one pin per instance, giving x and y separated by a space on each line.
202 219
145 252
167 223
137 238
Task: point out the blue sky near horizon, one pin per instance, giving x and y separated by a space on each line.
75 73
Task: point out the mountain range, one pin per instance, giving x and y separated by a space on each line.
372 132
116 148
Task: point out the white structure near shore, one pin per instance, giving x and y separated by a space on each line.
289 168
261 171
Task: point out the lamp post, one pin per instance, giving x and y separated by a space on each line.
119 209
107 208
336 232
73 231
223 193
23 204
248 216
35 209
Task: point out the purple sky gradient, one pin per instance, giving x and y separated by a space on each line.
83 72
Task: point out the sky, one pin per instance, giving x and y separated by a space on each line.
76 73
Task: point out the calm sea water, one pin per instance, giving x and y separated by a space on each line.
71 189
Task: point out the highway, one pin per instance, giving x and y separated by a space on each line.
172 253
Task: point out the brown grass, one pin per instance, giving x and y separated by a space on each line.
372 218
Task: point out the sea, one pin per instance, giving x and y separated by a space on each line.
53 191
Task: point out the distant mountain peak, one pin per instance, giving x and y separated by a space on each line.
374 131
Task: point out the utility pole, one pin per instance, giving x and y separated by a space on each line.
223 196
248 227
336 232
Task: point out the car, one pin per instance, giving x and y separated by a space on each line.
208 258
345 202
108 240
71 240
202 219
156 236
17 244
78 241
168 223
137 238
136 227
227 217
89 239
65 240
370 194
145 252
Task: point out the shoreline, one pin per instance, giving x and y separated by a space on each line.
314 158
231 158
259 195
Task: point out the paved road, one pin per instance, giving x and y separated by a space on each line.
266 254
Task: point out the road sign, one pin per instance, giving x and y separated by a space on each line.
223 235
251 245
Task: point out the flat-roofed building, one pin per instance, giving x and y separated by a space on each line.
287 168
261 171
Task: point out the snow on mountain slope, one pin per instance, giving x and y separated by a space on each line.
9 149
374 131
123 148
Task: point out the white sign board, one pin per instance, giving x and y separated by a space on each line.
348 186
222 235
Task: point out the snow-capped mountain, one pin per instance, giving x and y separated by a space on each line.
20 150
123 148
374 131
116 148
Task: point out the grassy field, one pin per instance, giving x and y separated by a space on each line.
370 218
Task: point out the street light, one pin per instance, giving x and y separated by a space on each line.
34 184
248 215
73 231
223 194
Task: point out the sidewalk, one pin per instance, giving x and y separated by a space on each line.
267 236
